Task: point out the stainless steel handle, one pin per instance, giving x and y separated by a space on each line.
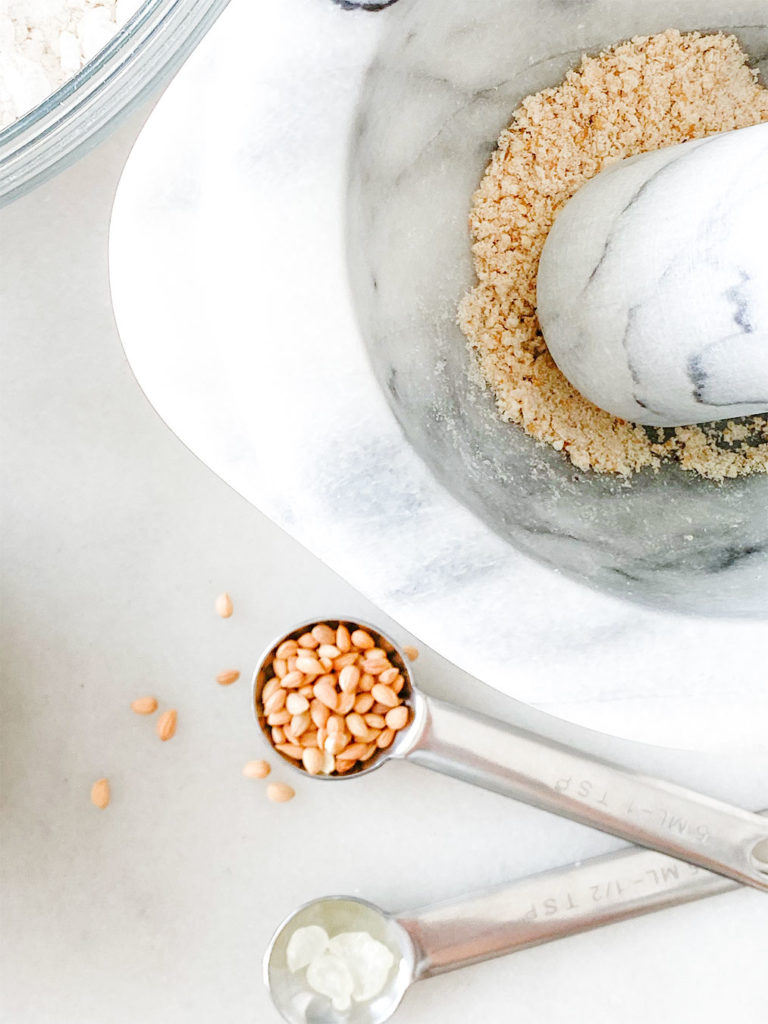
539 771
552 905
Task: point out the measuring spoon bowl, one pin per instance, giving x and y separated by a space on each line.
290 992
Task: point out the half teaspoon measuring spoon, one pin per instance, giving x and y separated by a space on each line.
555 777
486 924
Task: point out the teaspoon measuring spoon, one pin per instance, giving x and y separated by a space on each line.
487 924
521 764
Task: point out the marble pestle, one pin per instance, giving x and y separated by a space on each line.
653 283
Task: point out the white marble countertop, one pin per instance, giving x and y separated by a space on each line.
159 908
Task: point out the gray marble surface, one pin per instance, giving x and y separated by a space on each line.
230 282
442 86
653 283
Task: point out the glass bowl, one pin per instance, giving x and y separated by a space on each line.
142 54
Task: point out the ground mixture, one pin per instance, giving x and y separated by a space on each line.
641 95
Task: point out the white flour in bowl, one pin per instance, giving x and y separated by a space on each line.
45 42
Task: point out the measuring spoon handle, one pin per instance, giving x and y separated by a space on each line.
552 905
539 771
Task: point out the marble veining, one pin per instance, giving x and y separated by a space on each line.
230 276
418 153
653 283
363 5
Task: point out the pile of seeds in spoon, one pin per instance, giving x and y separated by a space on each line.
334 699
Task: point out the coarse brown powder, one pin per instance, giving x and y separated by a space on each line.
641 95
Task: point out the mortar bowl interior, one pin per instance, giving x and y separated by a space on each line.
444 83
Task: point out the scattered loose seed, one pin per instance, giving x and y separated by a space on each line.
100 793
411 653
166 724
228 677
224 606
256 769
280 792
144 705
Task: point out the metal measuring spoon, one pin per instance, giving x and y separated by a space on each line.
487 924
521 764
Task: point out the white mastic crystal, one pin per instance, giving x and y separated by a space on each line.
304 946
44 42
368 960
330 976
125 9
70 55
7 35
25 83
95 29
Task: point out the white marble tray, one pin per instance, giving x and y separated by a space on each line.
231 295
